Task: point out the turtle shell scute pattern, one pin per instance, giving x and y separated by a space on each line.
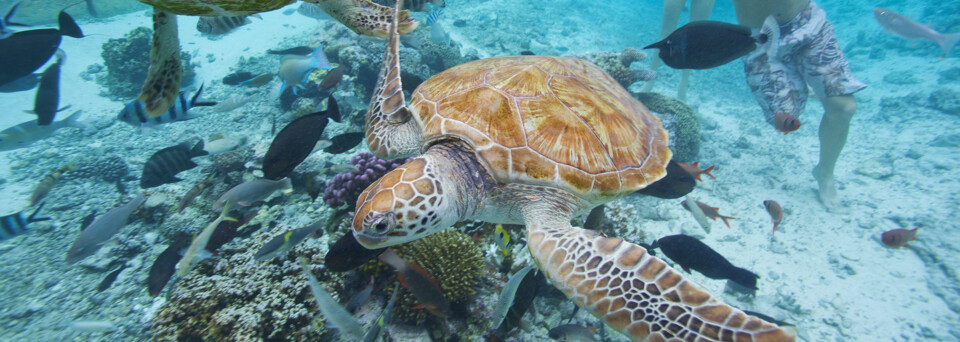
548 121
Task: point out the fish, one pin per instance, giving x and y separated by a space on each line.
335 314
258 81
434 15
437 33
331 79
769 319
27 133
572 333
200 242
165 265
419 282
5 22
344 142
776 213
248 193
23 52
13 225
677 183
413 5
221 145
508 294
907 28
785 123
101 230
226 230
237 77
347 254
694 170
692 254
690 205
310 10
527 53
232 103
502 238
283 243
710 212
361 298
898 237
87 220
48 93
596 218
221 25
135 114
21 84
110 278
530 285
46 184
163 166
343 168
192 193
93 326
295 69
298 50
295 142
706 44
374 333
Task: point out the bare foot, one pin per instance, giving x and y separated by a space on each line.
827 191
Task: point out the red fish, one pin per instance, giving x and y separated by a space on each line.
776 213
785 123
419 282
695 171
711 212
899 237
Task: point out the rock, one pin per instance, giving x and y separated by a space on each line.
876 168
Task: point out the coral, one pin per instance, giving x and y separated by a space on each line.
680 121
630 55
109 169
346 187
610 62
127 60
228 161
235 298
453 259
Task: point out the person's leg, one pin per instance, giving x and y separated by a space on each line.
699 10
838 110
671 15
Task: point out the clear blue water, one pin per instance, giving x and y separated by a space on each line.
827 272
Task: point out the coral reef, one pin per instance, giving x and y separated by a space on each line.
127 60
680 121
630 55
618 65
346 187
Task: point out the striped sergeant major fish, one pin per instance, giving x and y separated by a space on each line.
135 114
13 225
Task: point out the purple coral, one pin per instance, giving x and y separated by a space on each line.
346 187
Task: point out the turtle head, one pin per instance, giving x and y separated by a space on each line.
406 204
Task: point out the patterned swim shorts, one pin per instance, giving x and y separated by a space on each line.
808 54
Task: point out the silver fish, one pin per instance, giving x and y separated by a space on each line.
906 28
101 230
29 132
283 243
295 69
199 242
232 103
507 295
332 311
251 192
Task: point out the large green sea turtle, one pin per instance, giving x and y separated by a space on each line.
536 140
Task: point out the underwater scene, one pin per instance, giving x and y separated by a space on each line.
479 170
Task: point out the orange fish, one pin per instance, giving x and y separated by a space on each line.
711 212
785 123
419 282
776 213
899 237
695 171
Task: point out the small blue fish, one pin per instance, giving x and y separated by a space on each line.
135 114
14 224
295 69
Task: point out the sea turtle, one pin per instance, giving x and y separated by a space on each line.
162 85
537 140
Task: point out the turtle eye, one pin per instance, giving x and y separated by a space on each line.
380 227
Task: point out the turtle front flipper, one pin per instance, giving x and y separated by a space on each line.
634 292
162 86
365 17
390 132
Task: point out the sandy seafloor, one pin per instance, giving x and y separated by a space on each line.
826 272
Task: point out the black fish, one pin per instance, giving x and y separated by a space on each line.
527 53
346 254
344 142
14 224
596 218
677 183
692 254
110 278
295 142
299 50
5 21
48 94
21 84
166 264
24 52
87 220
227 230
220 25
526 292
331 79
707 44
163 166
237 77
